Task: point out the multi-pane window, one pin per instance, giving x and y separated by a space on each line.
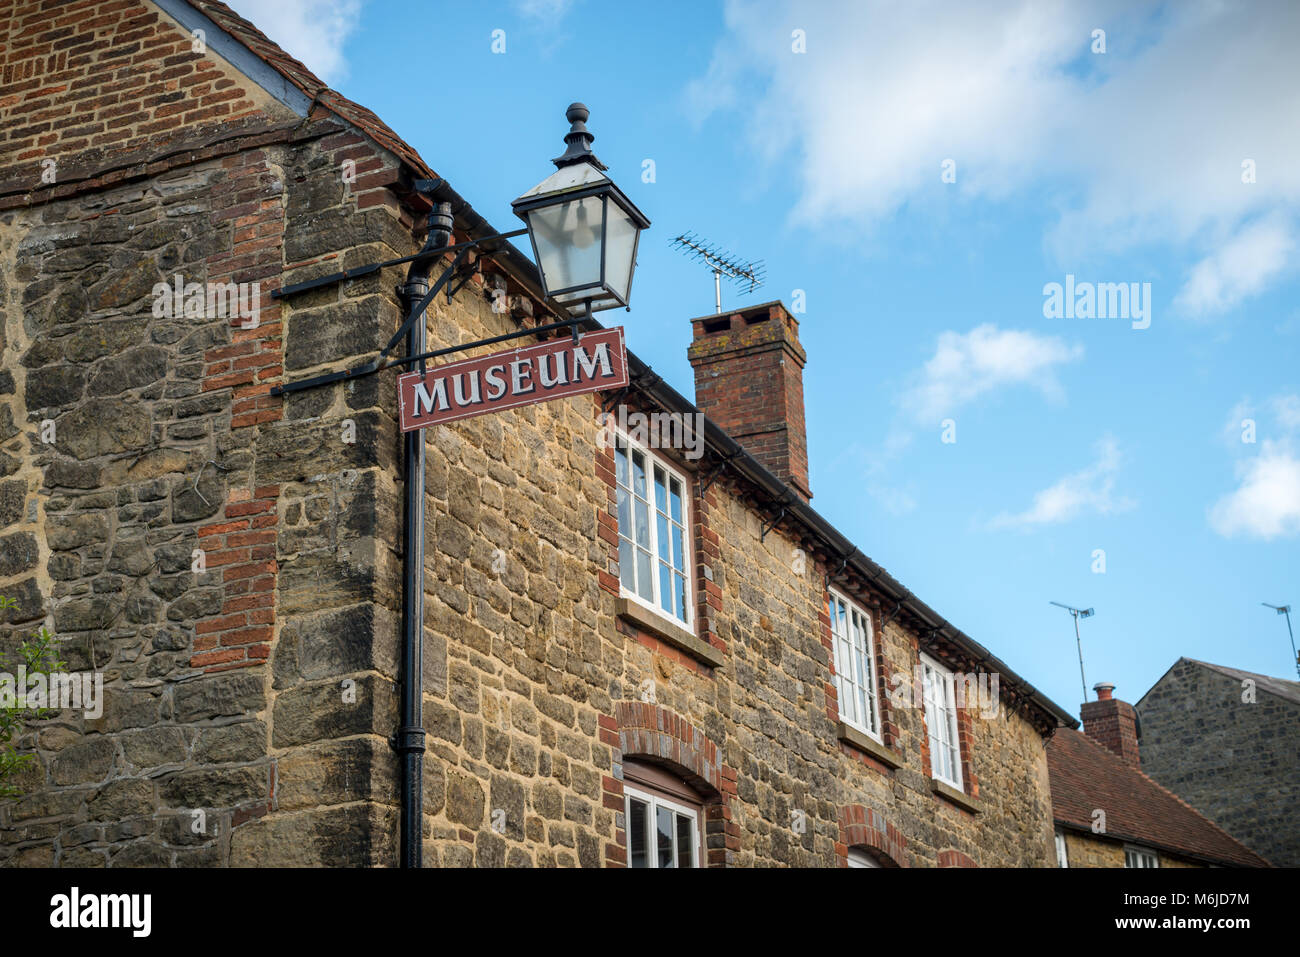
1062 858
855 662
1140 857
653 547
660 832
938 688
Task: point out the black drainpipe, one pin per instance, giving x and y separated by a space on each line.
409 741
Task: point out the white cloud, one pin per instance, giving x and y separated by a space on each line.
1266 502
1140 145
1286 408
312 31
1240 268
965 367
547 11
1089 490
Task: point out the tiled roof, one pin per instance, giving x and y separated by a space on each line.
1086 776
309 83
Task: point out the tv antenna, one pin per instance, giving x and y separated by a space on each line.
1078 613
748 275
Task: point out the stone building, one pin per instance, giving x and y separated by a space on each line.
1108 813
229 560
1228 743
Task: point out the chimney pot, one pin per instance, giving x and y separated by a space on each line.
1112 723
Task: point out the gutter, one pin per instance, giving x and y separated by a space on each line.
1114 837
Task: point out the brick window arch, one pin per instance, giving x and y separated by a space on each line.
867 830
951 858
649 734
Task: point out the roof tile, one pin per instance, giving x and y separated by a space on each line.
1086 776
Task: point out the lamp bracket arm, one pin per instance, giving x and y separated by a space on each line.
358 271
377 363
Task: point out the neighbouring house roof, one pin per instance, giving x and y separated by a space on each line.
1086 776
925 620
1278 687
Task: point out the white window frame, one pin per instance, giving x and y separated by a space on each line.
655 801
1062 853
946 683
653 604
1135 856
854 674
860 858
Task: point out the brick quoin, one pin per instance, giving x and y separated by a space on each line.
243 628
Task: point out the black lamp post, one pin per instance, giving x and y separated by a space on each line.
584 234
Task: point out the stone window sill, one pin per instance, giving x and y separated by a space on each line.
867 745
669 633
959 798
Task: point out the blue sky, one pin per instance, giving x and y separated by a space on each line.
925 298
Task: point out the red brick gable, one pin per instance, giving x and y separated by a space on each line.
95 78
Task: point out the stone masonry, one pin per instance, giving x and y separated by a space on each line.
230 561
1229 745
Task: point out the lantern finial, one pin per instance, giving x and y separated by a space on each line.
578 139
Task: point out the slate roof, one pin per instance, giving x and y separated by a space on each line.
1086 776
1278 687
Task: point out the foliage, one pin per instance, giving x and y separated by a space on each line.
38 656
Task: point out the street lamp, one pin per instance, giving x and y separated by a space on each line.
1078 613
583 228
1286 610
584 233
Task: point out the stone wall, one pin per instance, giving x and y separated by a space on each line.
229 562
1089 850
1235 761
220 556
528 721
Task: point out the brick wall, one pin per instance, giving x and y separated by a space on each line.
86 80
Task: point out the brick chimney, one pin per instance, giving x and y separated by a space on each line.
1112 723
749 380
